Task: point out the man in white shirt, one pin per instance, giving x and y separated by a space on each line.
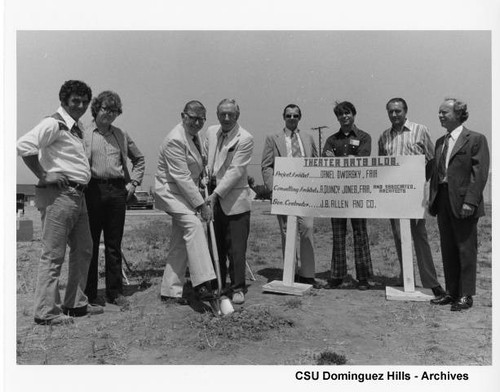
54 152
292 142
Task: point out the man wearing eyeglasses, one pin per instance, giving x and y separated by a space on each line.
110 186
292 142
229 153
54 151
177 181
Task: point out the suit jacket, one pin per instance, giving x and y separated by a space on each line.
467 173
180 167
275 146
127 149
229 167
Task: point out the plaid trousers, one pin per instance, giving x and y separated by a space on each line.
362 256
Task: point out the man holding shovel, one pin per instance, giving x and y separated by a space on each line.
229 149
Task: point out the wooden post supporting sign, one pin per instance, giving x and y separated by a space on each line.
287 285
408 292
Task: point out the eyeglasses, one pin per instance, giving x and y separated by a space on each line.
110 110
195 118
292 115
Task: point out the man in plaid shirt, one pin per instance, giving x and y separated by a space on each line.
408 138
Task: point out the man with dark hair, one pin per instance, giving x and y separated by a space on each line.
408 138
349 141
229 149
54 152
292 142
460 174
177 182
110 186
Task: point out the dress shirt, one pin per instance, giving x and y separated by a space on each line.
58 150
288 142
412 139
356 142
105 158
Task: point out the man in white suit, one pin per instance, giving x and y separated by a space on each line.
180 169
291 142
229 153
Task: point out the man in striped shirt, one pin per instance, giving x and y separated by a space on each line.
408 138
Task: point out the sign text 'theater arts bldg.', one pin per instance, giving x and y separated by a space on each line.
353 187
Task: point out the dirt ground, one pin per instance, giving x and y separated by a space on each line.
361 327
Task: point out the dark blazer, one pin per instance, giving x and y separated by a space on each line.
275 146
467 173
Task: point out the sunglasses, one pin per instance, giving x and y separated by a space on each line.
292 116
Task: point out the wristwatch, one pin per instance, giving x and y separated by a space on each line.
135 183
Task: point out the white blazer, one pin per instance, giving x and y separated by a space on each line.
229 167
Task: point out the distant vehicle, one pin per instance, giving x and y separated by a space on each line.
141 199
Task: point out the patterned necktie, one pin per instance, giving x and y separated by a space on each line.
76 131
197 144
295 144
442 160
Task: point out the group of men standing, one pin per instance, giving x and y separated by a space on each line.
457 168
84 184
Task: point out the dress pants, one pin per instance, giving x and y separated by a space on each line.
188 248
106 205
425 262
362 258
231 233
458 248
64 222
306 244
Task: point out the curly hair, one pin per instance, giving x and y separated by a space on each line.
74 87
459 108
110 98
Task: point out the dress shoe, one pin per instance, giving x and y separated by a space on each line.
97 301
205 292
93 309
333 283
174 300
311 281
238 298
443 300
60 319
438 291
363 285
463 303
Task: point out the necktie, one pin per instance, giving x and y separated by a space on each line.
295 145
222 138
197 144
442 160
76 131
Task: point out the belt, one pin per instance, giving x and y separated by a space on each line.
114 181
77 186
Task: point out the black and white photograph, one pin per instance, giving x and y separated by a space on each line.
271 195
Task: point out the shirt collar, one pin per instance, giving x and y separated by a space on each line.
354 131
95 128
229 134
456 132
288 132
407 126
68 119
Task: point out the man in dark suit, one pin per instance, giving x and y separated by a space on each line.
291 142
456 196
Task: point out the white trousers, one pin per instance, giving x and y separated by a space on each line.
188 248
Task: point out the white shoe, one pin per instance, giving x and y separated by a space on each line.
238 298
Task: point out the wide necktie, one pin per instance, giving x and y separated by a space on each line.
295 144
442 159
197 144
76 131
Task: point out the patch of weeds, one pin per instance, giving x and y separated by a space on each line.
329 357
293 303
244 324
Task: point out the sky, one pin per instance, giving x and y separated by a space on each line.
159 54
157 72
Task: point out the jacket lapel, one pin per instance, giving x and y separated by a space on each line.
279 139
222 154
462 140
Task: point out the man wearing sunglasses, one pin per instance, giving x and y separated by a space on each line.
292 142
